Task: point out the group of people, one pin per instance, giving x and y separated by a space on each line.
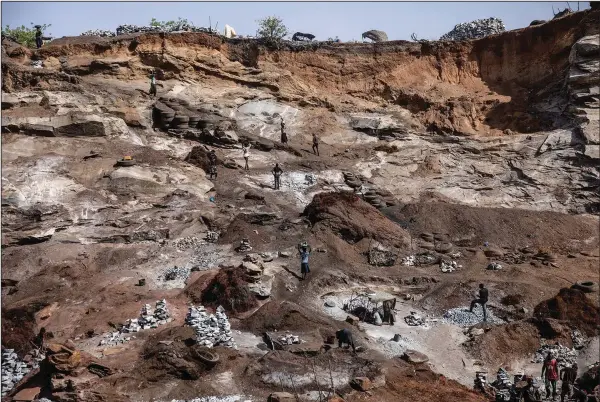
315 139
551 374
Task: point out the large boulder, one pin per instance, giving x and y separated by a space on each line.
412 356
281 397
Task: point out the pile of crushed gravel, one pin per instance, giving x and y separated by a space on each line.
230 398
462 317
99 32
391 348
475 29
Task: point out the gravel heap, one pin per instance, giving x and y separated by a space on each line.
409 261
211 329
390 348
205 258
494 266
579 341
99 32
564 356
462 317
289 339
148 319
129 29
414 319
449 266
14 369
175 273
212 237
185 243
37 64
231 398
244 246
475 29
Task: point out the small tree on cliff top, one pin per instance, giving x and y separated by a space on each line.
169 24
23 35
272 29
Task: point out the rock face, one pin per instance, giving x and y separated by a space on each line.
583 83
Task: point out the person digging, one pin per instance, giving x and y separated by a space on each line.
304 250
277 175
344 336
482 299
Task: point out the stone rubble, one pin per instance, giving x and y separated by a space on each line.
230 398
289 339
14 369
183 27
244 246
462 317
188 242
99 32
148 319
475 29
37 64
409 261
211 329
494 266
175 273
564 356
579 340
449 266
414 319
212 237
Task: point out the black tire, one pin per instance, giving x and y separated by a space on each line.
586 286
182 126
126 163
181 119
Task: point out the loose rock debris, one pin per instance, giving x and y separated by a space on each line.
231 398
462 317
475 29
290 339
494 266
148 319
211 329
14 369
564 356
175 273
414 319
449 266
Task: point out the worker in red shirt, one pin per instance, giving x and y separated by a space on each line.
550 375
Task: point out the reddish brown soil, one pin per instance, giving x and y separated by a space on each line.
352 219
230 290
503 227
574 307
18 327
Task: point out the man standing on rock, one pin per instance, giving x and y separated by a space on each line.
304 250
246 152
568 375
315 146
152 85
483 299
345 336
38 36
277 175
550 375
284 138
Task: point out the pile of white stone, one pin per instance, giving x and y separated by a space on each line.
14 369
99 32
449 266
211 329
149 318
409 261
175 273
462 317
494 266
185 243
229 398
475 29
289 339
37 63
244 246
564 355
414 319
182 27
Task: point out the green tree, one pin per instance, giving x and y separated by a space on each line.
23 35
272 29
169 24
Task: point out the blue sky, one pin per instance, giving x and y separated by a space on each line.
324 19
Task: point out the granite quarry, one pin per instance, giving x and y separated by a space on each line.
129 273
